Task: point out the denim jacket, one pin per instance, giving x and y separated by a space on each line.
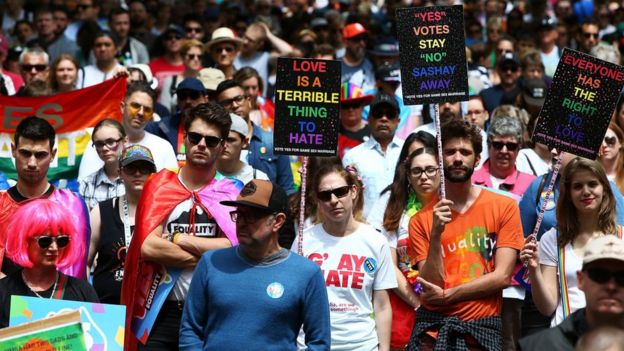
261 157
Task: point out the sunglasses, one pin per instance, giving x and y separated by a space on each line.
249 217
188 94
109 143
498 145
135 107
220 49
193 29
38 68
590 35
173 37
350 106
134 167
610 140
44 241
509 69
196 138
601 276
193 56
338 192
417 172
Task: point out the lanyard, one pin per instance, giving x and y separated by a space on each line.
126 221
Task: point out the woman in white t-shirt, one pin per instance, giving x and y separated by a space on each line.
355 260
585 209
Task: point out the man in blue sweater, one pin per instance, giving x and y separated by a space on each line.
258 295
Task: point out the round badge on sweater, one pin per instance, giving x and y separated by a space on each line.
275 290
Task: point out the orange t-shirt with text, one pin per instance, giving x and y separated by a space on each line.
469 245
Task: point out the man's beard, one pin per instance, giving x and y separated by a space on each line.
458 178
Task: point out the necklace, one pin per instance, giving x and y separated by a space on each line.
34 292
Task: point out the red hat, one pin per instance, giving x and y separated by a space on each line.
353 93
353 30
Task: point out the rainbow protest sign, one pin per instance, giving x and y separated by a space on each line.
307 107
579 104
433 55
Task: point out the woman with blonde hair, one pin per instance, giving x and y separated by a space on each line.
191 51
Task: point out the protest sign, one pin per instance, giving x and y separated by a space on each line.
60 332
103 324
70 114
307 107
432 54
579 104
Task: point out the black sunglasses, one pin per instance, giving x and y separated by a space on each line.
348 106
498 145
38 68
196 138
610 140
193 29
132 168
173 37
186 94
589 35
339 192
45 241
601 276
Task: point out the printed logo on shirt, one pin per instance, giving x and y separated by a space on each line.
348 274
370 266
205 225
475 239
551 201
275 290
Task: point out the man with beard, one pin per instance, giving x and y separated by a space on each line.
179 217
602 281
465 247
376 158
356 68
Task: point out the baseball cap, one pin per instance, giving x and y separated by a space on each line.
353 30
604 247
547 22
384 99
534 92
386 47
136 153
193 84
353 93
211 77
389 73
509 58
263 195
239 125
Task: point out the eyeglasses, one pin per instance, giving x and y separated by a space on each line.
610 140
220 49
509 69
135 107
109 143
350 106
188 94
249 217
173 37
590 35
44 241
601 276
193 29
417 172
227 103
193 56
498 145
38 68
196 138
141 168
338 192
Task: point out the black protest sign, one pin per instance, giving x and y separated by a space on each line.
579 104
307 107
432 54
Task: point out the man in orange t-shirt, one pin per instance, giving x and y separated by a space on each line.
465 247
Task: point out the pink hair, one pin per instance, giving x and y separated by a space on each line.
43 217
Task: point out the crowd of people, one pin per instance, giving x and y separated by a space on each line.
186 184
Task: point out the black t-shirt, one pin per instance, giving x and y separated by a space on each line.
9 266
75 290
111 253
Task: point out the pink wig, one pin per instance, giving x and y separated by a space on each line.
43 217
